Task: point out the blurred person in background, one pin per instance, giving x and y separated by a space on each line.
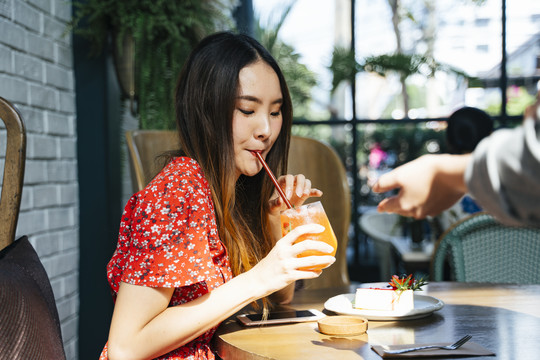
467 126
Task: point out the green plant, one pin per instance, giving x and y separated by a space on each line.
163 32
344 66
404 62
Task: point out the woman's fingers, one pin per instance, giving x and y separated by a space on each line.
315 193
298 231
311 245
317 252
287 183
297 189
303 188
317 261
285 262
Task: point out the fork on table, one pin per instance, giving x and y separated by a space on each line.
453 346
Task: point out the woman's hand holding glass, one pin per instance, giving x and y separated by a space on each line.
282 266
297 189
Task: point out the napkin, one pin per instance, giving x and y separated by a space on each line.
469 349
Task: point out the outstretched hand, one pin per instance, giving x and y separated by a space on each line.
426 186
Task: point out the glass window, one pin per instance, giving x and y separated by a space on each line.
413 65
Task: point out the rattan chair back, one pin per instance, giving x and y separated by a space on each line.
321 164
144 149
480 249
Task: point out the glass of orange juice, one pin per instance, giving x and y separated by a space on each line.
309 214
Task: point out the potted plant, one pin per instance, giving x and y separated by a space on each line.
151 40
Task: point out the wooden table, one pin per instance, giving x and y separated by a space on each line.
504 319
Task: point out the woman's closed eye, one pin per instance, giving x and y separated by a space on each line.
246 112
251 112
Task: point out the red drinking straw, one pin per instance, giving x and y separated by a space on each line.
269 172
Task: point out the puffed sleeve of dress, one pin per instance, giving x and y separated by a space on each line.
168 235
504 176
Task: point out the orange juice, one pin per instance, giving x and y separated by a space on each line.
309 214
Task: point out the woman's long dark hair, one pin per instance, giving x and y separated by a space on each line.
205 100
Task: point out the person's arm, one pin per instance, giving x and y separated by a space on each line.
143 327
502 175
426 186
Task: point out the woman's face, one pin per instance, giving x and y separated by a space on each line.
257 116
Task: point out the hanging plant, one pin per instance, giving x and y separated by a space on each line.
163 32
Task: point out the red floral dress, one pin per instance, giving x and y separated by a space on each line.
168 238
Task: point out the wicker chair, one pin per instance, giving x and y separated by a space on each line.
144 148
321 164
480 249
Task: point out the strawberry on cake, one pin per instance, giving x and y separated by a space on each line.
398 296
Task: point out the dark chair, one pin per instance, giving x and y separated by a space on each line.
480 249
29 323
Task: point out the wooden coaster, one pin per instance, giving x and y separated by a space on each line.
343 325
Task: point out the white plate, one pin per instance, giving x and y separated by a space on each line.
423 306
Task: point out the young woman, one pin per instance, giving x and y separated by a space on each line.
202 240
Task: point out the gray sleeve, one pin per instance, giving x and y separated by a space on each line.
504 176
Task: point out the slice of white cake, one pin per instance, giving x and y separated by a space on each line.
384 299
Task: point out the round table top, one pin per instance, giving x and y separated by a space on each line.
504 319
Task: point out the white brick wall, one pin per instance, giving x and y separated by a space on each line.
36 75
